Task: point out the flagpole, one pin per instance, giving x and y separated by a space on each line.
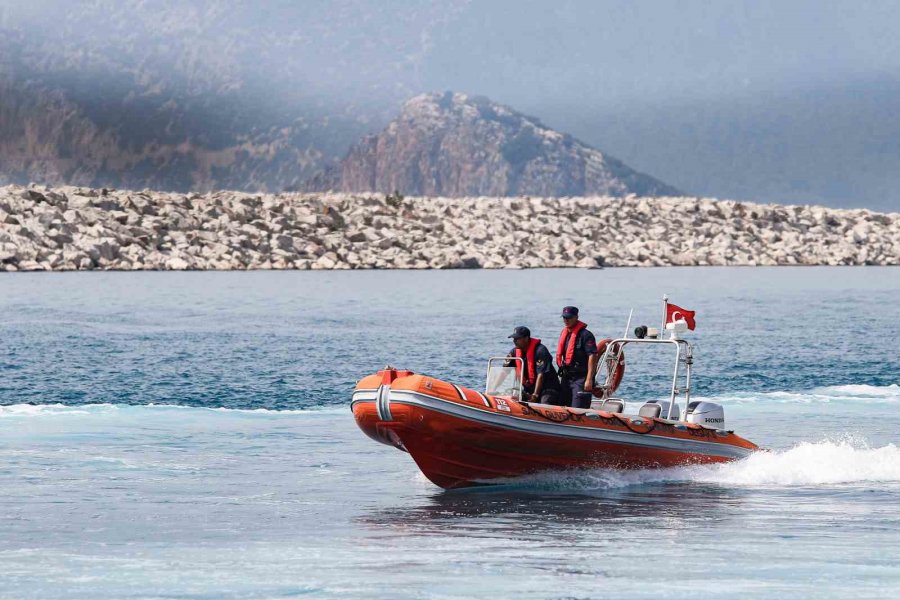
662 328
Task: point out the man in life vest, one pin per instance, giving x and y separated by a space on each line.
539 381
576 357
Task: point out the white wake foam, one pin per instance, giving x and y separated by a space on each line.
44 410
810 463
806 464
861 394
36 410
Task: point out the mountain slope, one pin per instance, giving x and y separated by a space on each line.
197 94
455 145
452 144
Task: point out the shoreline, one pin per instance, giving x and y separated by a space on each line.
82 229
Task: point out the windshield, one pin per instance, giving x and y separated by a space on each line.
503 380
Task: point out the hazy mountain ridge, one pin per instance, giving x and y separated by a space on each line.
452 144
48 137
204 94
138 133
195 94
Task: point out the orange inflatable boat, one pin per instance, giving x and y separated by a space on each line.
462 437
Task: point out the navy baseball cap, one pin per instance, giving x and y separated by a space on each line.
520 332
570 311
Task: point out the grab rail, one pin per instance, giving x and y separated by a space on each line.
684 354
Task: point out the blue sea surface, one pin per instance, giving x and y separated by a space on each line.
187 435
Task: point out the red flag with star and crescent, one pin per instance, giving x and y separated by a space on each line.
675 313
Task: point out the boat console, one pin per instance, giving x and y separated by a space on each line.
503 377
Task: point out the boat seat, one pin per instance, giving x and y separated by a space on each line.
613 406
650 410
659 409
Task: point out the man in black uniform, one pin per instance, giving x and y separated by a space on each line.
576 357
539 381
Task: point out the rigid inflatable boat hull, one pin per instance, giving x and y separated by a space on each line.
460 437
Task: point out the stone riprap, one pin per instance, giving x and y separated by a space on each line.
68 228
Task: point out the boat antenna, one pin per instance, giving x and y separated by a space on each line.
628 323
662 327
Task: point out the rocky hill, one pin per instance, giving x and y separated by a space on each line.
452 144
48 136
196 94
63 229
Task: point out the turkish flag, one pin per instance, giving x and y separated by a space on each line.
675 313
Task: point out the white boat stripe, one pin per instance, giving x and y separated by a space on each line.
565 430
378 404
383 403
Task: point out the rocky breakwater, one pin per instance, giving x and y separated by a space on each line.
69 228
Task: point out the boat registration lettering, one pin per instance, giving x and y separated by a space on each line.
502 405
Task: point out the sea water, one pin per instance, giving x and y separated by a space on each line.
188 435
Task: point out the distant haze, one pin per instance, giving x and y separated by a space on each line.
770 101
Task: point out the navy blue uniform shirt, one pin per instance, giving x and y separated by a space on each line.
543 363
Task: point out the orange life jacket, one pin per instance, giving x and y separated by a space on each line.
566 348
530 375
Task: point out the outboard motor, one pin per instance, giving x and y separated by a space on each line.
707 414
659 409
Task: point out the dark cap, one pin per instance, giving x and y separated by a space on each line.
520 332
570 311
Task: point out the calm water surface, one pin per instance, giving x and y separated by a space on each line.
187 435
